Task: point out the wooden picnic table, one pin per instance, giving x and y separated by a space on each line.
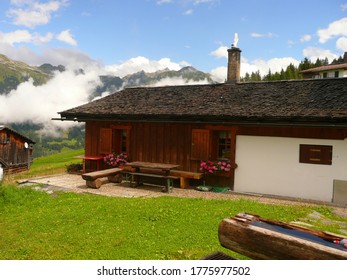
165 167
98 160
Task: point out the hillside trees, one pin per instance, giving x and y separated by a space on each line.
291 72
53 142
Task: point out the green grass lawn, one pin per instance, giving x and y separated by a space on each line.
37 225
70 226
49 165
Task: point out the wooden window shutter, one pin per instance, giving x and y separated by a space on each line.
316 154
200 144
105 141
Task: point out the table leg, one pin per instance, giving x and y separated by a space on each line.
137 177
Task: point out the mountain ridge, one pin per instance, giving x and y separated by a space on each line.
13 73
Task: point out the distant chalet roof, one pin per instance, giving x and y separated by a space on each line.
5 128
316 101
325 68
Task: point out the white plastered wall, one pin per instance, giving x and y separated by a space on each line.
270 165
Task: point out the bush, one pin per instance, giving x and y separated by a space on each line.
74 168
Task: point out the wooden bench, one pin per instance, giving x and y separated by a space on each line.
169 179
185 176
96 178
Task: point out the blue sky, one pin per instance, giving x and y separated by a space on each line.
174 33
119 37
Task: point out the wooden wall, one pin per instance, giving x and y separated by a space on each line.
154 142
13 153
172 142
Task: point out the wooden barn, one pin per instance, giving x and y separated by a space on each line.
15 150
284 138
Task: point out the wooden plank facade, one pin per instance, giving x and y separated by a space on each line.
15 150
186 144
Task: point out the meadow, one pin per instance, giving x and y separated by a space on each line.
36 225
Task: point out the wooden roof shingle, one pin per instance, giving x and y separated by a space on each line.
294 101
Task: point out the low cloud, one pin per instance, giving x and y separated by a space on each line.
38 104
176 81
140 63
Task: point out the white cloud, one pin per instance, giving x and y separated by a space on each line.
18 36
219 74
336 28
33 13
260 35
197 2
66 37
176 81
341 44
344 7
275 65
313 54
188 12
64 91
140 63
161 2
305 38
24 36
222 51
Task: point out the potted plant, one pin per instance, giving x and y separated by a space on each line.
209 167
75 168
116 160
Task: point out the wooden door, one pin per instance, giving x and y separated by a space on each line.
200 144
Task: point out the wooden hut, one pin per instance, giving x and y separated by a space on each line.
284 138
15 150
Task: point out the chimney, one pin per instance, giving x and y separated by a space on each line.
234 63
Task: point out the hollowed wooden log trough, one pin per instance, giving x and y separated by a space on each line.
262 239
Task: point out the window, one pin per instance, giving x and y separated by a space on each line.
114 140
211 144
120 138
336 74
325 75
224 144
316 154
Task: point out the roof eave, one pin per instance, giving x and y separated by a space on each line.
233 120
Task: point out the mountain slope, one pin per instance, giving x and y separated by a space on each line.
186 74
12 73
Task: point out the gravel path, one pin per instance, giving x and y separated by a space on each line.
75 183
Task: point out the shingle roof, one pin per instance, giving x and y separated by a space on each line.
307 101
5 128
326 68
